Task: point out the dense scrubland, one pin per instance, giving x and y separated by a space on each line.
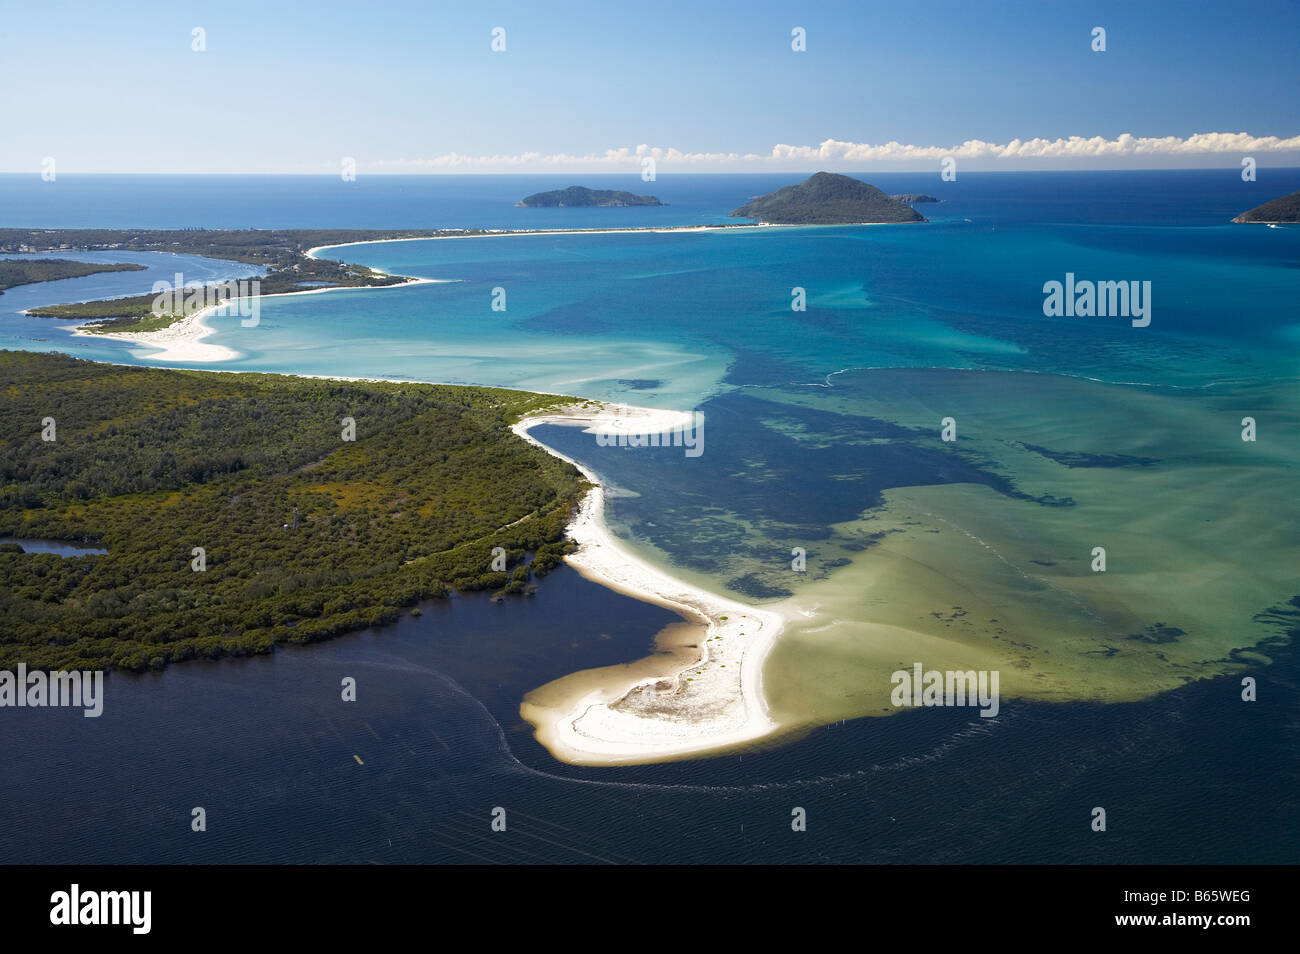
305 534
15 272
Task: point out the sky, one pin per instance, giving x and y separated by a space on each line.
411 87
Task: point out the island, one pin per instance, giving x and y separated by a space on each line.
828 198
1279 211
30 271
912 198
581 197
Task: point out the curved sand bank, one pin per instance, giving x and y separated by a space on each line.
647 229
182 340
702 692
519 233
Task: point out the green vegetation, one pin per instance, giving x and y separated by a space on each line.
30 271
581 197
306 535
120 314
828 199
1285 209
282 251
273 247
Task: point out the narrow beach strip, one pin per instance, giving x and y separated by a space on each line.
520 233
701 693
706 695
183 339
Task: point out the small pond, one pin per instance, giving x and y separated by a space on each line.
60 547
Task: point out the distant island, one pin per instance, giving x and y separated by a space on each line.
827 198
1285 209
581 197
911 198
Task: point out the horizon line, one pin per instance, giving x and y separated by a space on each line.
746 172
1199 150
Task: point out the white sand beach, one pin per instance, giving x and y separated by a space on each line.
706 698
183 340
520 233
702 692
649 229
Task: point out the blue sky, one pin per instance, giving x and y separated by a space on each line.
412 87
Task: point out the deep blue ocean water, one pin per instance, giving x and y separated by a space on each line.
1180 197
267 748
687 320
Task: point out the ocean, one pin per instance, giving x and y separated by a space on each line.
823 433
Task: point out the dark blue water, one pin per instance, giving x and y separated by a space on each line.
487 201
267 747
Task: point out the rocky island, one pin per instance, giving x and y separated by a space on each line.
581 197
912 198
1285 209
827 198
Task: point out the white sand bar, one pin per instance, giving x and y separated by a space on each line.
616 716
183 340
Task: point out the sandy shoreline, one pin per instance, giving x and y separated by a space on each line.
668 706
701 692
183 339
652 229
520 233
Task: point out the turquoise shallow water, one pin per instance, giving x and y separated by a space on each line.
674 318
693 313
803 446
704 319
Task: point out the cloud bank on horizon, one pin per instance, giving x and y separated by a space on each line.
1095 151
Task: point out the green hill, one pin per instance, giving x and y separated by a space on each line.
1285 209
828 199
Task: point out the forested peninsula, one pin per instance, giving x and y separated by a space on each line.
15 272
242 511
281 251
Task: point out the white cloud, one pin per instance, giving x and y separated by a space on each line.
614 159
1072 148
833 152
